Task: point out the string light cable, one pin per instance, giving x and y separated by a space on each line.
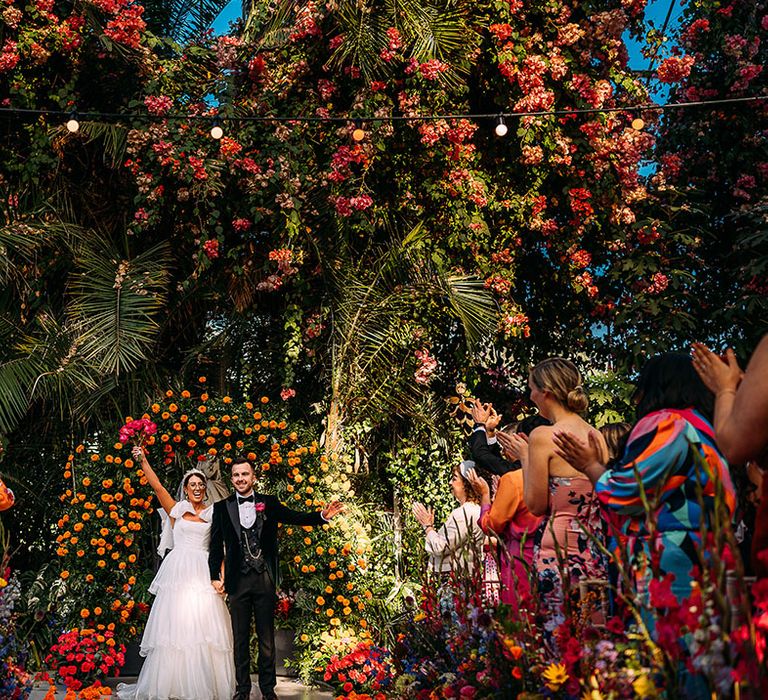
76 118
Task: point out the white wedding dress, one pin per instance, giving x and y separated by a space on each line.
187 641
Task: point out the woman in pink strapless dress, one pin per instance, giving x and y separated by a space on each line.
568 550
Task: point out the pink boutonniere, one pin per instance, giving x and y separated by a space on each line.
260 507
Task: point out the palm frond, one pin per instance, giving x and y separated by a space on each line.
277 28
472 305
18 244
113 139
116 305
182 20
42 364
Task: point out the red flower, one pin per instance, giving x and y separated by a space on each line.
675 68
660 591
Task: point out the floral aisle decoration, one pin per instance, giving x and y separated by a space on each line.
15 680
644 645
364 670
82 656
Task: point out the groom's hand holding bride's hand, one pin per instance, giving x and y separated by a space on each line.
218 586
332 510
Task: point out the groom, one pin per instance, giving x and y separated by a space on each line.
245 527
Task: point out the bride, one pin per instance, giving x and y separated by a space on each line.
187 641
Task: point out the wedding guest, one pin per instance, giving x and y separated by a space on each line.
661 466
458 543
741 400
187 640
244 539
741 422
483 445
508 516
568 550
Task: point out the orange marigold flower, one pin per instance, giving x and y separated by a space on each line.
202 380
185 394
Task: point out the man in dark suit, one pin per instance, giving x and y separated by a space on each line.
244 539
483 446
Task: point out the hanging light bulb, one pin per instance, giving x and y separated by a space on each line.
638 124
358 134
216 131
73 126
501 127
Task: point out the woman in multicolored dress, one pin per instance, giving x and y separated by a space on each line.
663 465
568 551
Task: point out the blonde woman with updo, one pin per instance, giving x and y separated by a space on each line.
553 488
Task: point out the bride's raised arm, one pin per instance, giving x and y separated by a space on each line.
166 500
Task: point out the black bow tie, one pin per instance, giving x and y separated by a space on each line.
245 499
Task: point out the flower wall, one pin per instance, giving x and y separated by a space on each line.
108 526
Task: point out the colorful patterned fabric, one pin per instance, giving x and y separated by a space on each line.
569 546
663 463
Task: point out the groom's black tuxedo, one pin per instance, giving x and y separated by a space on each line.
252 589
226 536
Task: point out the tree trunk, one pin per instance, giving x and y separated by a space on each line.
398 535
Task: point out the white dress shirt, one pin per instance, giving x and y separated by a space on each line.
247 511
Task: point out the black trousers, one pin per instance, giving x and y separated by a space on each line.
254 596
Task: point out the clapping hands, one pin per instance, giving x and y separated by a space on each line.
480 484
515 446
486 414
718 374
579 454
425 516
